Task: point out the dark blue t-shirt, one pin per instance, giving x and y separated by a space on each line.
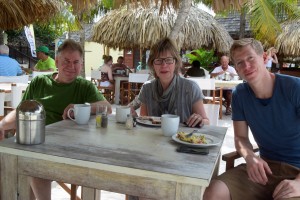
275 122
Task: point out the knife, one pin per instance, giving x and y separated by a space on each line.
186 149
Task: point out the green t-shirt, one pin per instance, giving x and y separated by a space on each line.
46 65
55 97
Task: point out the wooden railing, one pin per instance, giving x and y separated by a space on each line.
22 55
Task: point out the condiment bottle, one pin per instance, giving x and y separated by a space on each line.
98 117
104 120
129 122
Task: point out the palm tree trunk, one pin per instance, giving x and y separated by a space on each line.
1 36
242 23
82 42
181 17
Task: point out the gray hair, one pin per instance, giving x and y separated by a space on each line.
70 45
4 49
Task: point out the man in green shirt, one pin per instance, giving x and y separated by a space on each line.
58 92
45 63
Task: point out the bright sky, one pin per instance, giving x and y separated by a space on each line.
205 8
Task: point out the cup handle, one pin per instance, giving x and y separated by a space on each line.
69 111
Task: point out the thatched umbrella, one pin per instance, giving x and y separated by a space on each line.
288 42
80 6
142 27
17 13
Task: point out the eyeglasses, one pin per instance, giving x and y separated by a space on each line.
168 60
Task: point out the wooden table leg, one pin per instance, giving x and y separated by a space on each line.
24 187
90 194
9 176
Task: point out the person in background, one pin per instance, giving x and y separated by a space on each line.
219 72
119 66
45 63
169 92
271 58
58 92
269 105
285 65
195 70
8 66
106 72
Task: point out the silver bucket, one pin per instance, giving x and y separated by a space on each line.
30 123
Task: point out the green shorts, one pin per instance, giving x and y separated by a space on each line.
241 187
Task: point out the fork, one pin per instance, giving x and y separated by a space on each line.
191 133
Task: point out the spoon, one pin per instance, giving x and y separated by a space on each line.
191 133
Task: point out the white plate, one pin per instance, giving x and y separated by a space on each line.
211 141
147 122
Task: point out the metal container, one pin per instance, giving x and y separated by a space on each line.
30 123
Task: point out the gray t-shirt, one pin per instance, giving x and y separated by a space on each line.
187 93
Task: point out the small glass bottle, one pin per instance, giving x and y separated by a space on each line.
104 120
98 117
129 122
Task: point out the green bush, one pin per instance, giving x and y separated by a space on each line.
205 57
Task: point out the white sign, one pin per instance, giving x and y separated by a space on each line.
29 32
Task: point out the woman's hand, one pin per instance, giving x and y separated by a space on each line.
195 120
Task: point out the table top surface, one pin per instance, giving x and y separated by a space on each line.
143 148
231 84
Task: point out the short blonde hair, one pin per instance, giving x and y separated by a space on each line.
255 44
161 46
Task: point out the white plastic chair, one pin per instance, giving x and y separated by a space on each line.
210 85
95 76
133 79
137 78
16 95
2 96
35 73
212 112
14 79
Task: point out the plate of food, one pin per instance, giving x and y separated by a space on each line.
197 140
149 121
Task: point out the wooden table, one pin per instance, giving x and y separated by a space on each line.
139 162
118 80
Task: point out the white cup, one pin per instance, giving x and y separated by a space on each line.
82 113
236 78
169 124
121 113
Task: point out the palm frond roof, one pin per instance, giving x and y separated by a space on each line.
288 41
142 27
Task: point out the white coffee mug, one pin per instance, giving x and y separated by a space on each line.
169 124
121 113
82 113
236 78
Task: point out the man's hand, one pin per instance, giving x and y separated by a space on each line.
287 189
258 169
65 114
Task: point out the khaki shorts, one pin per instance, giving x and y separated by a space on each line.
241 187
